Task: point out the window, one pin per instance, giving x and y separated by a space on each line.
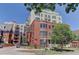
49 16
41 15
53 17
40 25
43 34
41 18
48 19
43 25
46 16
42 42
37 18
49 26
37 14
54 21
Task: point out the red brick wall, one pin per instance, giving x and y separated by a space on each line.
35 31
75 44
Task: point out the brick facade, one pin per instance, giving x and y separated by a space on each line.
35 35
75 44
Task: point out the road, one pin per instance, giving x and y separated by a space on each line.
13 51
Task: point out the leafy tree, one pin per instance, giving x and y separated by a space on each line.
1 37
62 34
69 7
76 37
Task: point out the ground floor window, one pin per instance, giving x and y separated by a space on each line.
42 42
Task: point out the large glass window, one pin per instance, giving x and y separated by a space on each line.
42 42
43 34
43 25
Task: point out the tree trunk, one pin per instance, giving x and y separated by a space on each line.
61 46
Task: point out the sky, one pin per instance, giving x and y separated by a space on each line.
18 13
72 18
13 12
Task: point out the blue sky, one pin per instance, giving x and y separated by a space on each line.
72 18
18 13
13 12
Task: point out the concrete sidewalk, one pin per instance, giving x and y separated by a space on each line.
29 50
14 51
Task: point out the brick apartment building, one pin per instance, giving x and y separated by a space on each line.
37 29
40 27
40 32
12 32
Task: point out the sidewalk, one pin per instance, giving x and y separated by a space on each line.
34 51
28 49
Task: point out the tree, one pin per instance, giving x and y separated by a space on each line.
76 37
69 7
1 37
62 34
10 40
